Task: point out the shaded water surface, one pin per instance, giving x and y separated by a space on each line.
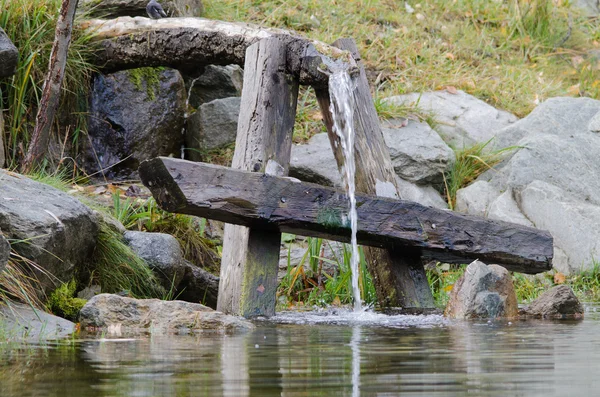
307 355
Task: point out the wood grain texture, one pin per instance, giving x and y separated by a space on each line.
189 43
279 204
250 261
399 279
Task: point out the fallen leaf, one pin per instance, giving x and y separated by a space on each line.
336 301
559 278
448 288
450 55
573 90
420 16
261 288
452 90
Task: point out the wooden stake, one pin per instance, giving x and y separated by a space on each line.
399 279
51 90
264 137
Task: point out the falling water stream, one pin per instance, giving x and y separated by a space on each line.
342 110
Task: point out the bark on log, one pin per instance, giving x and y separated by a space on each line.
248 282
284 204
189 43
400 280
51 90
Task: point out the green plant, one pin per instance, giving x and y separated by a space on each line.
311 285
18 281
189 231
441 279
63 303
117 268
30 24
470 163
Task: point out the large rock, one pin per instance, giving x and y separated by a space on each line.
314 162
418 153
4 252
163 255
557 303
198 286
215 82
590 8
214 125
483 292
463 120
137 8
135 115
9 56
551 182
53 229
140 316
23 321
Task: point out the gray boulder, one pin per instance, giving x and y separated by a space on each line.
9 56
163 255
53 229
551 182
23 321
122 315
314 162
214 125
216 82
557 303
135 115
198 286
122 8
4 252
463 119
418 153
483 292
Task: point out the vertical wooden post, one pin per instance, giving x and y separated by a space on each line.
399 276
264 137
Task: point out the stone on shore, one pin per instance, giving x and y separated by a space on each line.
122 315
22 321
215 82
49 227
198 286
557 303
483 292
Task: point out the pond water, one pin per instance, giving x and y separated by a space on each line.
308 355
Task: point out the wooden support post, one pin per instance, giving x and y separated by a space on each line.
399 278
264 137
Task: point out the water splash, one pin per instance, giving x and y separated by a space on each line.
342 110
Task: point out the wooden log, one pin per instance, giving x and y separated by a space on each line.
250 261
400 280
189 43
282 204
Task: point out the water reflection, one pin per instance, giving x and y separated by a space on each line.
317 359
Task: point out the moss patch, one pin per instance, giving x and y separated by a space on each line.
146 78
63 303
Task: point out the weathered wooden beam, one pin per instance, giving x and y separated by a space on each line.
274 203
400 280
189 43
248 282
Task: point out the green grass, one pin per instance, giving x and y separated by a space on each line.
470 163
188 230
116 268
30 24
307 284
